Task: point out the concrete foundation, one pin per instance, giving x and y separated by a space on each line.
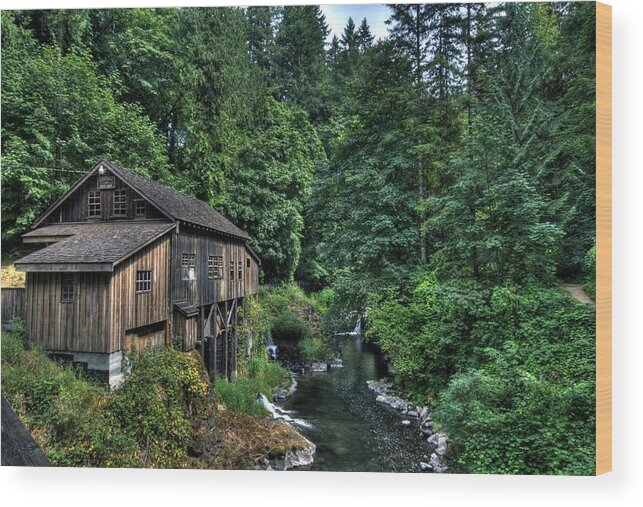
108 368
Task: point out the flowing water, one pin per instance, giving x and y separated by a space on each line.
351 430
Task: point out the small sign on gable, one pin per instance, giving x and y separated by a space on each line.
106 182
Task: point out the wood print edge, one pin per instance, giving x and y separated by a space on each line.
603 238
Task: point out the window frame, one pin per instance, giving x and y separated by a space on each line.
120 192
188 266
215 267
136 204
141 283
232 267
94 208
66 288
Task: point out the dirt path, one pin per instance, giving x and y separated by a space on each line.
577 292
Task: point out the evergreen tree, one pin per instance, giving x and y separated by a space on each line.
300 59
364 37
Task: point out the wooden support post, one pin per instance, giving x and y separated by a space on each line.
200 332
227 345
168 339
234 340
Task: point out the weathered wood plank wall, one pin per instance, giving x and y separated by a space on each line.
80 325
74 209
132 310
12 303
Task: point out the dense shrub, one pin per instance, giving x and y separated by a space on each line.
510 372
150 422
315 350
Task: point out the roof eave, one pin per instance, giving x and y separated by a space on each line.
66 267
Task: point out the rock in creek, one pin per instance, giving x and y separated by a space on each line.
318 367
406 422
336 363
280 393
437 464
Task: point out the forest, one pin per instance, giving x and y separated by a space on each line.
440 182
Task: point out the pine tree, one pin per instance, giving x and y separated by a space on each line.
364 36
300 59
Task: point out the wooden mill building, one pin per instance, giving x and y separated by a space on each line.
129 263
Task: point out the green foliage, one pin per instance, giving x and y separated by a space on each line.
589 267
510 372
59 115
241 395
269 188
259 377
150 422
315 349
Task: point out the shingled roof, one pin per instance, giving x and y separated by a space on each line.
95 246
177 205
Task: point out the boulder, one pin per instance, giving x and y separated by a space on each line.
406 422
336 363
437 464
300 457
319 367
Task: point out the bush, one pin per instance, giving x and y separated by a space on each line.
315 350
510 372
150 422
505 419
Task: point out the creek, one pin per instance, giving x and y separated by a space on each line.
353 432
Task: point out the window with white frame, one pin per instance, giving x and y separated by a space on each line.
119 208
93 204
143 281
188 266
215 267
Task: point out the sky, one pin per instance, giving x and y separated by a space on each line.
337 15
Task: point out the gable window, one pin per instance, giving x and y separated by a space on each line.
143 281
247 263
239 268
140 207
188 265
215 267
231 266
120 203
67 288
93 208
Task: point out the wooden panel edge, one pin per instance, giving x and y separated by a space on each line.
603 238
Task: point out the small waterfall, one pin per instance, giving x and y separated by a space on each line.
358 327
280 413
357 330
271 348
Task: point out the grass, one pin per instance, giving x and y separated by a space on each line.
260 377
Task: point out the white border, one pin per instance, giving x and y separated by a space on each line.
65 487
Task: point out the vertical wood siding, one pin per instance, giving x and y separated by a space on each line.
74 208
12 303
81 325
203 291
131 310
